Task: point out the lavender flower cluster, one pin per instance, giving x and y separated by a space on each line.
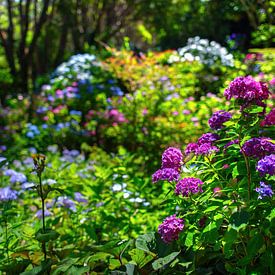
204 146
264 190
7 194
266 165
170 228
218 118
188 186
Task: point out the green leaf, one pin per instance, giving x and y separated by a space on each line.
64 265
239 220
41 269
211 208
147 243
49 235
271 216
189 239
140 258
73 270
161 262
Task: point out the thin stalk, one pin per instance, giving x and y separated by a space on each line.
7 245
247 164
214 169
43 215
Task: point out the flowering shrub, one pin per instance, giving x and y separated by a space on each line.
224 193
204 51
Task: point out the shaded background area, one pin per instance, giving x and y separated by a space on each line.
36 36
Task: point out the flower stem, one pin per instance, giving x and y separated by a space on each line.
43 214
7 244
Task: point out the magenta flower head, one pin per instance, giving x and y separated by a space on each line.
267 165
269 119
188 186
191 148
206 149
168 174
170 228
247 90
218 118
264 190
172 158
258 147
207 138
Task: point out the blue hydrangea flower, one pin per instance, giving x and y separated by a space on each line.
264 190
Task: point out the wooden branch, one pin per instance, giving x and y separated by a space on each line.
42 19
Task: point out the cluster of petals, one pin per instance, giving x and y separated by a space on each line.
267 165
204 146
7 194
248 90
188 186
170 228
218 118
258 147
264 190
168 174
269 119
172 158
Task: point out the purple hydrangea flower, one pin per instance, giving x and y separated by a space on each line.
188 186
269 119
267 165
191 148
172 158
258 147
7 194
206 149
168 174
207 138
247 90
170 228
218 118
264 190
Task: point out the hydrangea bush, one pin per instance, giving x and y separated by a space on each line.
204 51
225 192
